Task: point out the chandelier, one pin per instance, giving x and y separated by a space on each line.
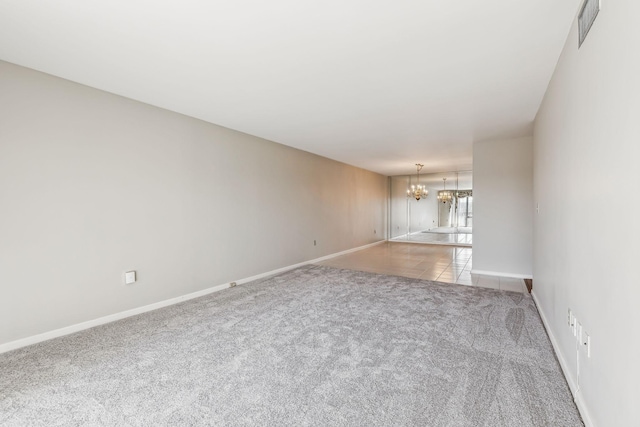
418 191
445 196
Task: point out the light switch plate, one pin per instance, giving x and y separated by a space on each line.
129 277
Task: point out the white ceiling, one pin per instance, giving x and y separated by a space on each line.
377 84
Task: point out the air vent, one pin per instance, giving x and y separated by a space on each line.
587 15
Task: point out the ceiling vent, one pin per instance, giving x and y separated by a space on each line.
587 15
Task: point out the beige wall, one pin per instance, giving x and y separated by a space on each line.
503 207
587 146
93 184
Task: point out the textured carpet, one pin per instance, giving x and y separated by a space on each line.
314 346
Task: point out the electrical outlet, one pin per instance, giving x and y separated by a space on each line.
129 277
232 284
586 341
574 323
569 317
314 243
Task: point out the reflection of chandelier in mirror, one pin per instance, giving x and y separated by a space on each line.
418 191
445 196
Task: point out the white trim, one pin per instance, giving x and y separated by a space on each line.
577 396
563 364
499 274
459 245
34 339
397 239
584 412
300 264
67 330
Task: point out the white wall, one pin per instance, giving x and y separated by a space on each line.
399 207
587 148
424 212
408 214
92 185
503 207
444 214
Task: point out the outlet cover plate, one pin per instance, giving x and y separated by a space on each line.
129 277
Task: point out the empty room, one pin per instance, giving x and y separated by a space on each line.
286 213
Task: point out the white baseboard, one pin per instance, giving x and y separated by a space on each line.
584 412
501 274
67 330
418 242
577 396
291 267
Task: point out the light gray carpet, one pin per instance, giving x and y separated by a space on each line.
315 346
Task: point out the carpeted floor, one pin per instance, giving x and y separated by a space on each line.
313 346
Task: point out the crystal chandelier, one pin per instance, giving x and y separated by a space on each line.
445 196
418 191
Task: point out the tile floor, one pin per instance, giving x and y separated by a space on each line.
447 264
464 240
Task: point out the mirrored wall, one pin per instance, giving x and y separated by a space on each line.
444 216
